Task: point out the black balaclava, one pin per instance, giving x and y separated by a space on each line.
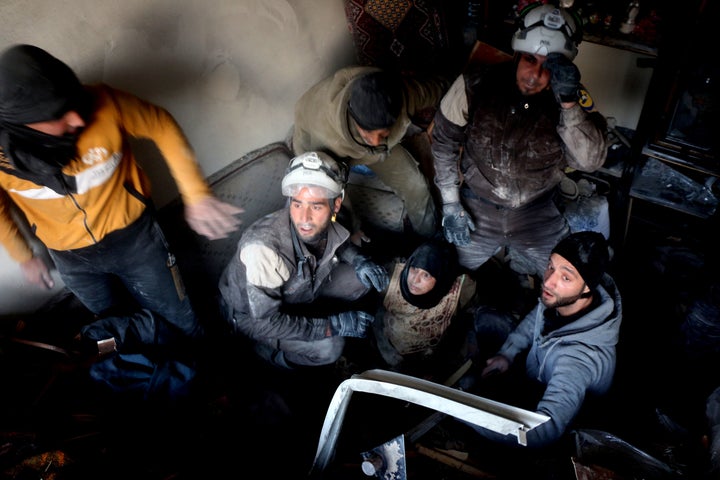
375 100
439 259
37 87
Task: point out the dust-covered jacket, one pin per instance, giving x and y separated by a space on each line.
266 277
514 147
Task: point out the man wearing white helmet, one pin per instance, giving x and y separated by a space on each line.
514 127
295 280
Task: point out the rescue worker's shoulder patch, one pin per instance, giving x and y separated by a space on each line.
263 266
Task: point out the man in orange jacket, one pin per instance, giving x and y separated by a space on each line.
66 163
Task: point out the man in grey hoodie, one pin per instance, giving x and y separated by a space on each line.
569 340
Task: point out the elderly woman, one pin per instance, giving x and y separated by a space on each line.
423 297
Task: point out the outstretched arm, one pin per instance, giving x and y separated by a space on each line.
213 218
205 214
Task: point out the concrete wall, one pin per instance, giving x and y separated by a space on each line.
615 81
228 70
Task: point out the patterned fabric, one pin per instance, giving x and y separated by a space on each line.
411 329
389 14
410 35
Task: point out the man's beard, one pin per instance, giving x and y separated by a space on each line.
320 234
561 301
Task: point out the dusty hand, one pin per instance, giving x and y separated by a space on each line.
358 238
37 273
495 365
564 77
212 218
371 274
350 324
456 224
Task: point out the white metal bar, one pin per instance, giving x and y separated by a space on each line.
498 417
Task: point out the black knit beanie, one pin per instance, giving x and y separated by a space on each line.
439 259
37 87
375 100
588 253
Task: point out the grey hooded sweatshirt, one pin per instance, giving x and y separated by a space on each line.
572 361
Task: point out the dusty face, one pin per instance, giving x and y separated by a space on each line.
562 284
311 213
374 138
419 281
69 124
531 77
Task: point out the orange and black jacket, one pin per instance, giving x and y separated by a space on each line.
110 189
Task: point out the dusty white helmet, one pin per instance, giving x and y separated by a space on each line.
548 29
314 169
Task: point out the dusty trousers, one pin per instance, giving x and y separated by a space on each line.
136 262
529 233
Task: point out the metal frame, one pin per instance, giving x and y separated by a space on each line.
498 417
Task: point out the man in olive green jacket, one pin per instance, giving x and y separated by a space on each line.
360 115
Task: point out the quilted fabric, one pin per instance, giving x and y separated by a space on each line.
409 35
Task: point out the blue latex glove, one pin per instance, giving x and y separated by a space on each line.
371 274
457 224
564 77
351 324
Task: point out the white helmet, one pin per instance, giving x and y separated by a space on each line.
548 29
314 169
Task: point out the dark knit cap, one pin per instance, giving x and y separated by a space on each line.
375 100
439 259
36 87
588 253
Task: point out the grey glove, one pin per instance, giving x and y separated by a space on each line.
370 273
350 324
564 77
457 224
